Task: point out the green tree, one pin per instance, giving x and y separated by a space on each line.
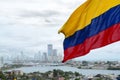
99 79
85 63
2 76
55 73
77 79
77 74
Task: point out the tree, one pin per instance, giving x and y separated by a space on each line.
77 79
77 74
84 63
2 76
55 73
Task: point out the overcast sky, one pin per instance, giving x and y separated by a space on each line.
29 25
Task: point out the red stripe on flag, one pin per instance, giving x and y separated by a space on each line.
105 37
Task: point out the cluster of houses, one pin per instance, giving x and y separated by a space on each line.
56 75
102 65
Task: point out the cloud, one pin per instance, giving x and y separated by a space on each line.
44 14
36 18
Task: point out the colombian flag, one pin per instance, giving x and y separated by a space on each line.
94 24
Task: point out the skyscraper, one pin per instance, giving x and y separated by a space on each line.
50 49
54 56
45 57
54 52
38 56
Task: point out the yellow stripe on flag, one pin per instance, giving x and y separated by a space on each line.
83 15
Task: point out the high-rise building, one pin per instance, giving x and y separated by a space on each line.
54 52
38 56
54 56
22 56
45 57
50 49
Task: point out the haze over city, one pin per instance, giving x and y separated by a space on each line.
30 25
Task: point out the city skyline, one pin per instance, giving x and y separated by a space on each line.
29 25
51 55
